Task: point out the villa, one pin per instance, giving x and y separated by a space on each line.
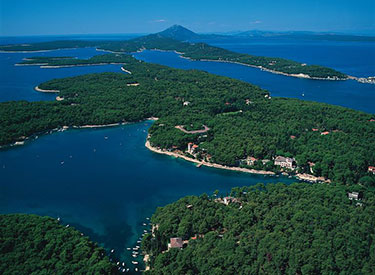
285 162
175 243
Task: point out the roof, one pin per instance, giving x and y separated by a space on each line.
195 146
176 242
283 159
324 133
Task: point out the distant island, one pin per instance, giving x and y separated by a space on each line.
32 244
169 40
265 229
210 120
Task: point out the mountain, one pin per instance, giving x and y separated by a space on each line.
179 33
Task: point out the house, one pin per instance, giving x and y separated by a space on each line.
315 129
228 200
292 137
371 169
251 160
186 103
324 133
372 120
353 196
175 243
285 162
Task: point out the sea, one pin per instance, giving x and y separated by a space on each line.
104 182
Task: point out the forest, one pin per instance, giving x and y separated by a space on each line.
32 244
196 51
71 61
243 120
269 229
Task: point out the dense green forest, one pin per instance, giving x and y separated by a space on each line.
32 244
243 119
196 51
71 61
273 229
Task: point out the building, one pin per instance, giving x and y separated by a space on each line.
175 243
251 160
285 162
324 133
186 103
371 169
353 196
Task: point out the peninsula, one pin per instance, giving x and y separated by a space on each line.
265 229
168 40
213 120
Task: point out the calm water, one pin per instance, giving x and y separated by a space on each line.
107 187
348 93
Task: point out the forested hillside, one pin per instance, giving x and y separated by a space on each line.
243 120
32 244
273 229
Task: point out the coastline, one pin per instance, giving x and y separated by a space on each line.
36 88
208 164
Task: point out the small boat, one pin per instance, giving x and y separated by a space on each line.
136 269
123 264
123 270
67 225
58 219
134 256
112 250
145 231
135 248
134 262
147 218
62 163
128 248
105 137
117 263
139 241
144 224
303 94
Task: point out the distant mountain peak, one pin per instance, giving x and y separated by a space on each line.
179 32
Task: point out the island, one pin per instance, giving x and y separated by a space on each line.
265 229
211 120
32 244
168 40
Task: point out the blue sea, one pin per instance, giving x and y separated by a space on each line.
105 182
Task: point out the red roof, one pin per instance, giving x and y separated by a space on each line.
195 146
372 120
292 137
176 243
324 133
227 103
315 129
371 168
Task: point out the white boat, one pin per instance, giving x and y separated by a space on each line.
144 224
67 225
58 219
128 248
134 256
117 263
136 269
123 264
112 250
62 163
134 262
139 241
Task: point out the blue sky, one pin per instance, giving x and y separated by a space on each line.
48 17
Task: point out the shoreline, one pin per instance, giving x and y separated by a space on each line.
64 128
208 164
36 88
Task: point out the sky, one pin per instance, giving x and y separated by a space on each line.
59 17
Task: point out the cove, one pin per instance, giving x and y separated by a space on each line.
105 182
